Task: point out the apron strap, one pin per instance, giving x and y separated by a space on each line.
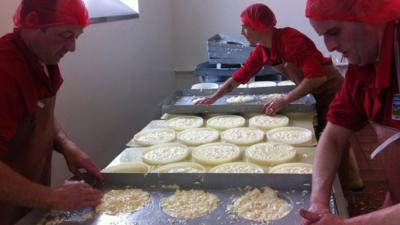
382 146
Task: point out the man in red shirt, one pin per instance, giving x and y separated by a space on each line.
368 35
29 80
291 53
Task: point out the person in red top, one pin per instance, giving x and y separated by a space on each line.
291 53
29 81
368 35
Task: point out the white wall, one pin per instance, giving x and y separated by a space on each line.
195 21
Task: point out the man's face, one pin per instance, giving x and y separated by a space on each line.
358 42
51 44
250 34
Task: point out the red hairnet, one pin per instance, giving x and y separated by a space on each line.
367 11
258 17
52 13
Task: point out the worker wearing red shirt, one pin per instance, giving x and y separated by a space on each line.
368 35
291 53
29 81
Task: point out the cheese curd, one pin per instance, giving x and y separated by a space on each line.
198 136
270 153
216 153
243 136
182 167
290 135
165 153
292 168
270 97
224 122
240 99
260 206
265 122
237 167
286 83
153 137
185 122
123 201
189 204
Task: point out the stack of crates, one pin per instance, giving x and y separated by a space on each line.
226 54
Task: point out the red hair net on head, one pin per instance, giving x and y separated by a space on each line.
258 17
52 13
366 11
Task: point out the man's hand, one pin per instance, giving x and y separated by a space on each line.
205 101
77 159
273 107
73 195
313 218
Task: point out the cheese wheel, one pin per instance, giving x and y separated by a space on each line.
290 135
223 122
165 153
243 136
237 167
182 167
216 153
292 168
154 137
270 153
198 136
265 122
185 122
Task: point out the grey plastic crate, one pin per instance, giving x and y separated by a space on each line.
207 72
228 49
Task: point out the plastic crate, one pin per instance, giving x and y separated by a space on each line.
228 49
207 72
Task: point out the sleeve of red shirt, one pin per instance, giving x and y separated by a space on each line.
344 110
252 66
300 50
8 114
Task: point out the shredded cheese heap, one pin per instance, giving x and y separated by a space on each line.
260 206
123 201
240 99
270 97
189 204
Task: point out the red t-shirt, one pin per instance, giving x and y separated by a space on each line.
367 92
23 82
288 46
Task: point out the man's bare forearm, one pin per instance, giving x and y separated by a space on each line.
18 190
226 88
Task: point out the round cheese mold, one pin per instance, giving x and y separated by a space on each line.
243 136
198 136
182 167
154 137
189 204
270 153
185 122
165 153
216 153
237 167
133 167
292 168
290 135
265 122
223 122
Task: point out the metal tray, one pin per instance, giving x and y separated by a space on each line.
182 101
292 187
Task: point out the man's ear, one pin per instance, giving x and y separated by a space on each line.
32 19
